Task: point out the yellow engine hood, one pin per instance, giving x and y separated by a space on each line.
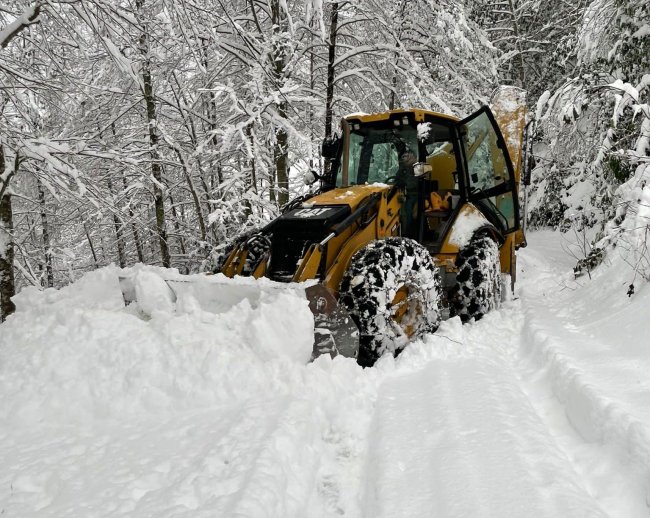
352 195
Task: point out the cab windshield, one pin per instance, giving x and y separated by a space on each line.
374 153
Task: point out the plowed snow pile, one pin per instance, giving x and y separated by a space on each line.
541 409
79 354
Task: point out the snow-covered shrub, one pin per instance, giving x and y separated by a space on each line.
593 159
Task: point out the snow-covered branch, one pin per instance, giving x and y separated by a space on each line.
28 17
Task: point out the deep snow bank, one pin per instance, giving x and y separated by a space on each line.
78 352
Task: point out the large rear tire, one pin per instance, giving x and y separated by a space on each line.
392 291
478 282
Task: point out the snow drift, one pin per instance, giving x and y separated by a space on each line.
79 353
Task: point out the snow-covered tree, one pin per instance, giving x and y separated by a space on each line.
595 127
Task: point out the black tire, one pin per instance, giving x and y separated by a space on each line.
478 282
258 246
392 291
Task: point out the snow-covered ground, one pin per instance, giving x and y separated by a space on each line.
541 409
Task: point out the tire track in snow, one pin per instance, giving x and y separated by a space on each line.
308 463
574 387
458 436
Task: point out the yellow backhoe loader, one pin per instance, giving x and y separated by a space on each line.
417 220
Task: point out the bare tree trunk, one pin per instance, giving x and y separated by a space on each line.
47 243
156 169
212 111
119 233
7 281
90 244
280 156
195 195
177 227
189 124
251 161
393 93
281 147
312 87
134 228
212 104
329 99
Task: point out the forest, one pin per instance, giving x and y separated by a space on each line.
155 131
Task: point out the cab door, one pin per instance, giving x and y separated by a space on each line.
488 172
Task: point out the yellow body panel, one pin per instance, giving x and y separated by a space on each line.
340 249
352 195
508 257
235 262
450 245
447 256
308 268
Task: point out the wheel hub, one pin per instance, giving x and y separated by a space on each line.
404 309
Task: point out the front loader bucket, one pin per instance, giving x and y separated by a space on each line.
334 331
213 293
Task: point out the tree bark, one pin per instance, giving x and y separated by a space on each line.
156 169
90 244
119 233
177 227
281 147
29 17
7 281
194 194
312 87
47 242
134 228
393 93
329 96
191 129
251 162
329 99
280 155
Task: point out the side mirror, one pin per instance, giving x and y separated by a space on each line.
311 177
330 147
420 169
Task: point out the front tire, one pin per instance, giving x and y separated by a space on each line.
392 291
478 282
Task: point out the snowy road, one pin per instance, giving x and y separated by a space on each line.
541 409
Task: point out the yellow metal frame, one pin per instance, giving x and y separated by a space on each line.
340 249
384 223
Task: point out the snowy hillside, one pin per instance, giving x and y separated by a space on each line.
540 409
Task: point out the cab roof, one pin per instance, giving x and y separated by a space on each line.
419 115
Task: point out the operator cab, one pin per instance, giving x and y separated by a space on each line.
455 162
377 152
